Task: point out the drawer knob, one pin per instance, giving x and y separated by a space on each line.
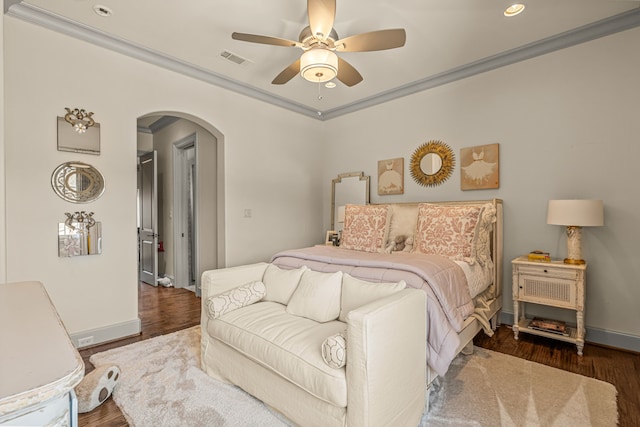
545 271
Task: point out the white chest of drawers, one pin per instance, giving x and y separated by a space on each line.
39 366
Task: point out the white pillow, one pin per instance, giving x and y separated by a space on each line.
235 298
404 219
334 350
317 297
281 283
356 293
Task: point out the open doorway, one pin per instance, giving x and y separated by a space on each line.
190 199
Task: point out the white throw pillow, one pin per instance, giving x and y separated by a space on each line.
317 297
334 350
235 298
356 293
281 283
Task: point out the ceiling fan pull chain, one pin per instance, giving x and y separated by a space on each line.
319 94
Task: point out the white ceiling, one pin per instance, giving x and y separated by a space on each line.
446 40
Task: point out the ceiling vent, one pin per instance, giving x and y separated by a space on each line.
232 57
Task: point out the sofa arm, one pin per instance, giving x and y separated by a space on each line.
387 360
215 282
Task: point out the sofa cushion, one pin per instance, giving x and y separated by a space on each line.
235 298
356 293
334 350
281 283
288 345
317 296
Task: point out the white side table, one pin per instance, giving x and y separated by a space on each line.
39 366
553 284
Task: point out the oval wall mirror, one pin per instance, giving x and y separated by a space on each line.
77 182
432 163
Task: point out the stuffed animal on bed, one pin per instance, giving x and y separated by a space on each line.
398 244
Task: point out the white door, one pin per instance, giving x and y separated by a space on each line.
148 219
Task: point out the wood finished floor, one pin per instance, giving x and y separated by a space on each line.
166 310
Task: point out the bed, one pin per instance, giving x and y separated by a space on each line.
451 250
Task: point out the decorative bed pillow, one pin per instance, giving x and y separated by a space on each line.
402 223
334 350
481 247
446 230
235 298
365 227
281 283
356 293
317 296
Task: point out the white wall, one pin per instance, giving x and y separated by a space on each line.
3 253
568 127
271 159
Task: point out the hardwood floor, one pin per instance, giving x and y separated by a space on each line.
166 310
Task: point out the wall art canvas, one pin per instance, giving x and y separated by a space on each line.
391 176
480 167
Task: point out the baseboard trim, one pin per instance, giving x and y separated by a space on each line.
604 337
107 333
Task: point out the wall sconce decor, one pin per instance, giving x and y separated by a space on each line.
78 132
79 234
79 119
575 214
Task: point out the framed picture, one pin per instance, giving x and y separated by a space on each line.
480 167
332 238
391 176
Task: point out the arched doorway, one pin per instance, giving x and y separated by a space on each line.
190 198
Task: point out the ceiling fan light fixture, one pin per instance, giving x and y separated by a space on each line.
319 65
514 9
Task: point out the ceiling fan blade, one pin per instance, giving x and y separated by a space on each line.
253 38
374 40
322 14
347 74
287 74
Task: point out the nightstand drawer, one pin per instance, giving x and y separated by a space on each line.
547 290
548 271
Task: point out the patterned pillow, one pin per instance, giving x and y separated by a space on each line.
365 227
334 350
481 247
447 230
236 298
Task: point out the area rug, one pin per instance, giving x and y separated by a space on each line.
162 385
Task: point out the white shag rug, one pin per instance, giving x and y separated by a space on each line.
161 384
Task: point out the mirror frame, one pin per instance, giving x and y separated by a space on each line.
60 184
338 180
440 149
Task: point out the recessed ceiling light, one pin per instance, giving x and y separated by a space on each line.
329 85
514 9
102 10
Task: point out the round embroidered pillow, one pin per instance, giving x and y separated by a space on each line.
334 350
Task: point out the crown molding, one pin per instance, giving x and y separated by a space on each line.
46 19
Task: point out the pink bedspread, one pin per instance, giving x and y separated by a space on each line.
448 304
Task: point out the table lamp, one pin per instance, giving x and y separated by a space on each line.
575 214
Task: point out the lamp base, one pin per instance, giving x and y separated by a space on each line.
574 261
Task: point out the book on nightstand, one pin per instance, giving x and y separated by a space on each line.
548 325
539 256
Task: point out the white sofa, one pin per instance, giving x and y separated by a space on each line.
272 348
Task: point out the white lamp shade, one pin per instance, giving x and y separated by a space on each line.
579 213
319 65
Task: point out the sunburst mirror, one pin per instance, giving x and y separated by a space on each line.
432 163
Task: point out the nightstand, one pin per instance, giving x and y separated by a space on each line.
553 284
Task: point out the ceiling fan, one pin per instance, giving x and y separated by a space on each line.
319 41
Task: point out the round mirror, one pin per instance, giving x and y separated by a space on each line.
77 182
432 163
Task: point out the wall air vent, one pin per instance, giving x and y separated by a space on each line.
232 57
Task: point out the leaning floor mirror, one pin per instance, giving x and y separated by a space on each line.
347 188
